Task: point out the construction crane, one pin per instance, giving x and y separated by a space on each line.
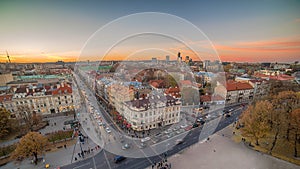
8 57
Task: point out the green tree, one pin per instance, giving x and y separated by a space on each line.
32 144
4 122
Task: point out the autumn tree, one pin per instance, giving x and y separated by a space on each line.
284 103
32 144
256 120
295 123
4 120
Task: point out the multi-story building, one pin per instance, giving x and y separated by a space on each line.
151 112
235 92
118 94
261 86
40 98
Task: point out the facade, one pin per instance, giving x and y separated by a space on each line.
211 99
41 99
5 78
235 92
118 94
152 112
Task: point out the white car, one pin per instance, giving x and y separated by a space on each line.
108 130
145 139
183 126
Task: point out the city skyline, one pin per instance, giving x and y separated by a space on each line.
266 31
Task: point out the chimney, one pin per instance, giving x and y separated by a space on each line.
27 90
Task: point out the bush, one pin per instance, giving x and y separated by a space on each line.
4 151
59 135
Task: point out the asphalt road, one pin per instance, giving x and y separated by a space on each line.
104 159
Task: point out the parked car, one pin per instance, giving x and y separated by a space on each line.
183 126
118 159
179 141
142 145
145 139
108 130
125 146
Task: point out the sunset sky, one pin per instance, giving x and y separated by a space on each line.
242 31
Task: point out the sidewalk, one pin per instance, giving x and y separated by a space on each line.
221 152
58 158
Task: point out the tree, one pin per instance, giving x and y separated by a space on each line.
295 123
32 144
256 120
4 122
285 102
28 117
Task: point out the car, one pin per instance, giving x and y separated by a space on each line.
158 135
156 140
168 131
179 141
108 130
230 110
183 126
188 128
118 159
104 125
125 146
170 135
195 125
145 139
142 145
100 123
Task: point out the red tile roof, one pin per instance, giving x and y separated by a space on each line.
7 97
232 86
62 90
186 82
208 98
157 83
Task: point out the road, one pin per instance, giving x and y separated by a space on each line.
104 159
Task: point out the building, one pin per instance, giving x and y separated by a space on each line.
5 78
154 60
261 86
211 99
151 112
167 59
118 94
40 98
235 92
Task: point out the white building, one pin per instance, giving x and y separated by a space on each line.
152 112
40 99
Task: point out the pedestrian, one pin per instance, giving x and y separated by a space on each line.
79 155
65 146
75 158
214 150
